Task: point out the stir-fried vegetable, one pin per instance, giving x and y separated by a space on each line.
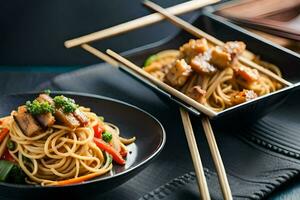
109 149
98 130
11 173
10 145
5 168
150 60
38 108
3 134
7 156
106 136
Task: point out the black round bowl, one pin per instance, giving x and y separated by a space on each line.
131 120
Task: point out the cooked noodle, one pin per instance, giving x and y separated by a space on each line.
220 86
59 152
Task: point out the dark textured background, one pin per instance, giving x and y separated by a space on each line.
32 35
33 32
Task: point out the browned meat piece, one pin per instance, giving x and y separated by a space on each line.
66 118
226 56
81 117
193 48
247 73
179 73
26 122
220 58
201 65
197 94
235 48
243 96
46 120
45 97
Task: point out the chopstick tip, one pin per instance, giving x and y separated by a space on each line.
67 44
109 51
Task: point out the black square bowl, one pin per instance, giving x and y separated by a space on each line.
288 61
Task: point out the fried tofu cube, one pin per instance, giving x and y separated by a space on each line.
193 48
220 58
179 73
227 55
200 65
248 74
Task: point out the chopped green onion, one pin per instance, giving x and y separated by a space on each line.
150 60
68 105
38 108
47 91
106 136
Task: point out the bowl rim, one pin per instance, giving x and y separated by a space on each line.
127 171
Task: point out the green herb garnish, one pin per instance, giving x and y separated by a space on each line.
106 136
38 108
47 91
68 105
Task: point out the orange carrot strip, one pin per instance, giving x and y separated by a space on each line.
3 134
78 179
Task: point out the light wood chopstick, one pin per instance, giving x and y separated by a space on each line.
188 129
190 137
214 150
137 23
205 121
201 34
213 146
100 55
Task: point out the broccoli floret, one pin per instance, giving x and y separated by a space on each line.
106 136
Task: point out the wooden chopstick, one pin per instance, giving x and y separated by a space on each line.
190 137
100 55
217 158
126 63
199 33
188 129
137 23
208 132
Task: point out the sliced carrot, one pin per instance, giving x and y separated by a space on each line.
3 134
98 130
109 149
76 180
7 156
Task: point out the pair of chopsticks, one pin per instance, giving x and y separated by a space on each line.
204 192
